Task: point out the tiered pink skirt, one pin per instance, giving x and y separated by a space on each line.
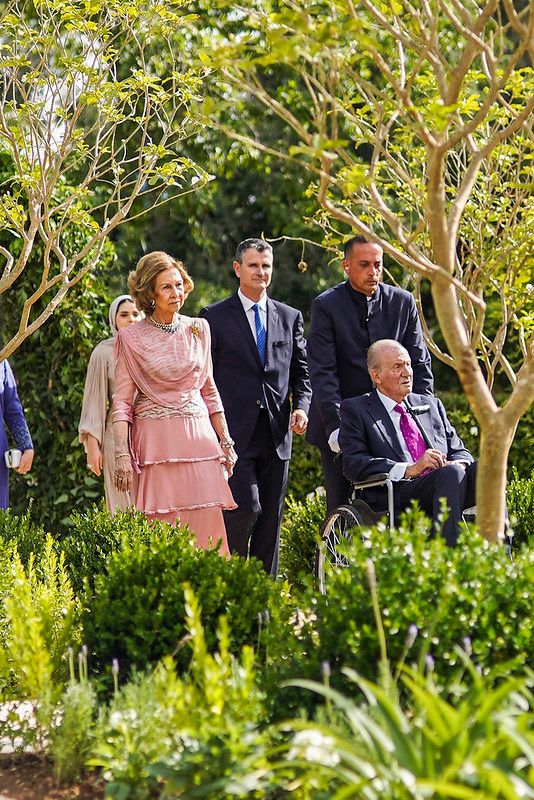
181 477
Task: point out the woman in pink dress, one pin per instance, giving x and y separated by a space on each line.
172 447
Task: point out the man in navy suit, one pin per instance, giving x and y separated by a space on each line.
390 430
345 320
260 368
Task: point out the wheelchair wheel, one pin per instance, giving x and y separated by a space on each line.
337 528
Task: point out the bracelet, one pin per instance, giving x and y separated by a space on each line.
122 455
227 443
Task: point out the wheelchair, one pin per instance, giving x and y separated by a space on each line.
343 524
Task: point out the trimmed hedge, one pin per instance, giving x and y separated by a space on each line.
136 612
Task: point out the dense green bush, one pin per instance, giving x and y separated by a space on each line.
71 737
136 613
305 470
94 534
472 591
40 622
27 535
520 496
300 534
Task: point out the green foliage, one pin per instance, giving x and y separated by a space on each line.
50 369
71 738
520 496
137 614
477 744
305 470
94 534
299 536
197 734
472 590
28 536
40 624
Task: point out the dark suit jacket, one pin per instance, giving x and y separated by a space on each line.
370 444
343 325
244 384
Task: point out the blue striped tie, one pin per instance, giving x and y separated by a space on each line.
261 334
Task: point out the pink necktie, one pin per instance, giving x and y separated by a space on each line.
411 433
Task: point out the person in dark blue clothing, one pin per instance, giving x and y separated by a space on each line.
345 321
259 366
14 419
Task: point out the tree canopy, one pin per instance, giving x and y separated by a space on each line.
94 111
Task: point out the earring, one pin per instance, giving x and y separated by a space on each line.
152 305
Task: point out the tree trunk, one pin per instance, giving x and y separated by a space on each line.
495 442
496 437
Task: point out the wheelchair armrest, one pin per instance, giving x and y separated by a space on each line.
373 480
380 479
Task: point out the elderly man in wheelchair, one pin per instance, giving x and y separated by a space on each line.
398 446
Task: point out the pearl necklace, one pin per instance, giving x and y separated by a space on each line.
168 327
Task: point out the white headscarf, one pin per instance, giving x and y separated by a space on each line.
114 307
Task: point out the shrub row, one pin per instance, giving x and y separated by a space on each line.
196 698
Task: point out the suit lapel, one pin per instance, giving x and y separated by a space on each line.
238 312
384 424
272 330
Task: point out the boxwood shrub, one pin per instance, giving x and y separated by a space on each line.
136 611
28 536
94 534
299 536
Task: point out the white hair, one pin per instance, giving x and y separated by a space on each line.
375 352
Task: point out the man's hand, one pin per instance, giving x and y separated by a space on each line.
298 421
431 459
333 443
26 461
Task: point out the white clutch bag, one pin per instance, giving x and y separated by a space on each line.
12 458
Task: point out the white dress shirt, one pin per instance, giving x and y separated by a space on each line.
398 470
249 311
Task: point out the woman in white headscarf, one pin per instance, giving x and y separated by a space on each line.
95 426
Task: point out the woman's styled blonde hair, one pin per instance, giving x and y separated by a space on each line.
142 280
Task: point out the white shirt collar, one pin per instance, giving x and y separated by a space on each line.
247 303
388 402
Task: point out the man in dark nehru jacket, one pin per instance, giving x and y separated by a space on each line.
345 321
260 368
